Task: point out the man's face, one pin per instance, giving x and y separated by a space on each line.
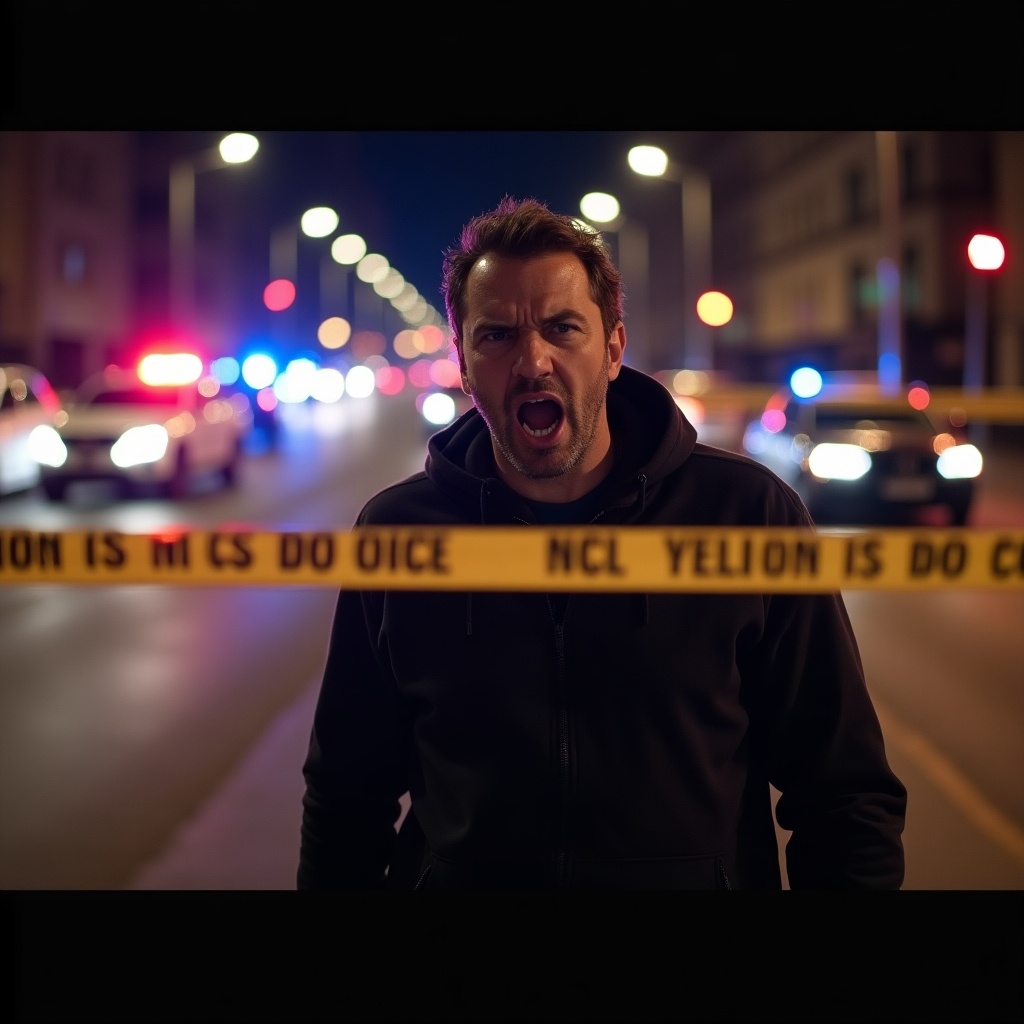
535 360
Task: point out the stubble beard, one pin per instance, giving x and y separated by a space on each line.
583 418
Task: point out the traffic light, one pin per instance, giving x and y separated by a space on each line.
985 252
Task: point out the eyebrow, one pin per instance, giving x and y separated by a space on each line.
562 314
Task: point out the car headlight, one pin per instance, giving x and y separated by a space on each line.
139 445
46 447
961 462
838 461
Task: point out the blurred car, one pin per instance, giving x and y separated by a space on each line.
27 400
145 431
858 456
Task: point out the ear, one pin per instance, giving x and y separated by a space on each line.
462 368
616 347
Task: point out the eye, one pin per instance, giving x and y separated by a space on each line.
564 328
497 334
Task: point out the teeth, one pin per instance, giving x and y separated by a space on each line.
538 433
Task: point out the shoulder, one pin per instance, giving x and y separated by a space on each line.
406 501
738 488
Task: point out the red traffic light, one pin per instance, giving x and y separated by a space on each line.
986 252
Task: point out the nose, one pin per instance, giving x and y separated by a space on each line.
533 356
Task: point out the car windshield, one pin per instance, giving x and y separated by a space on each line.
134 396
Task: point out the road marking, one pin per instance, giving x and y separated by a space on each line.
999 828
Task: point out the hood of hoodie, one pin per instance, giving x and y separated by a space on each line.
651 436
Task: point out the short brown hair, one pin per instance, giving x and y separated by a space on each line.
522 229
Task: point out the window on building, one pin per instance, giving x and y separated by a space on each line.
856 207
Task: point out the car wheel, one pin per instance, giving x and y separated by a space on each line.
54 489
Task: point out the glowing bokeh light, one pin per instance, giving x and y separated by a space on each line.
445 373
438 408
279 295
328 385
805 382
390 380
359 382
238 147
259 370
318 222
649 160
334 332
159 368
714 308
348 249
986 252
419 373
226 369
918 395
372 267
600 207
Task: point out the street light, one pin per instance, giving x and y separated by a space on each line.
236 148
985 253
316 222
634 264
652 161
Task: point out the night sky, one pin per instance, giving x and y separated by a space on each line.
408 193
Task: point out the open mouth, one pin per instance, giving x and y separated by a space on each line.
539 417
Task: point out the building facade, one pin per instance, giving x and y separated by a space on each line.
803 220
85 253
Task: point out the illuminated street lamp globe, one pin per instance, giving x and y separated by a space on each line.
319 222
238 147
651 161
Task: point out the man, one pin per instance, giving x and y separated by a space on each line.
591 740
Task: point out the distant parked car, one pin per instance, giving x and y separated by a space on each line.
858 456
158 435
27 400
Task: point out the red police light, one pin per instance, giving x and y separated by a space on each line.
986 252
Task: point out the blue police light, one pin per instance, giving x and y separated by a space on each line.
259 370
805 382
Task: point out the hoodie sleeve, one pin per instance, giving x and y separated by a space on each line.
839 797
355 766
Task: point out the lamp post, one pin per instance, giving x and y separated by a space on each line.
985 254
634 264
236 148
695 201
348 250
316 222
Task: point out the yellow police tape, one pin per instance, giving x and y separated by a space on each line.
711 559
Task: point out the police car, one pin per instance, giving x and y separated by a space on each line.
859 455
159 428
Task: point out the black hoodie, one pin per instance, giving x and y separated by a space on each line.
611 740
